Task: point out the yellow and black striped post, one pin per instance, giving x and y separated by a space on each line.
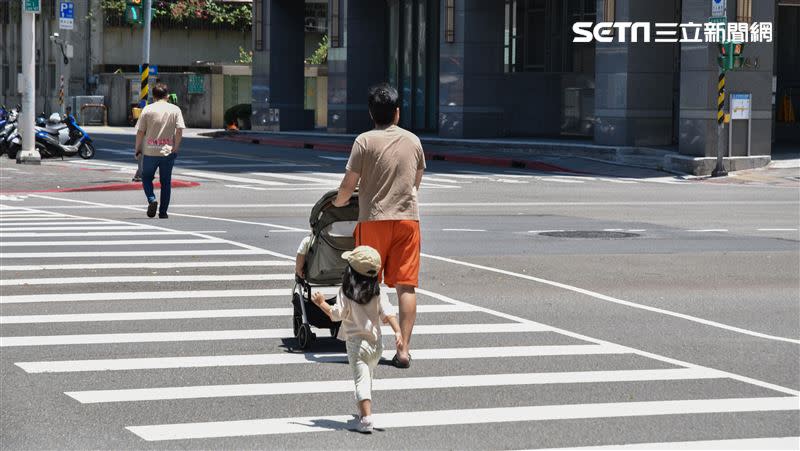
721 99
144 91
719 170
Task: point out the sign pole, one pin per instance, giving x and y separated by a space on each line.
145 87
28 154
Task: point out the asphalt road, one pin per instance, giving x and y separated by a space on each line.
622 308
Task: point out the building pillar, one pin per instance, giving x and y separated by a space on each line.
699 78
471 70
634 91
278 83
356 64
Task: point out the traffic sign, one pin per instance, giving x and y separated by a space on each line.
741 106
66 15
719 8
33 6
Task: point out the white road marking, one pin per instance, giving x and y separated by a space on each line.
254 188
545 231
779 443
141 232
637 230
287 231
622 181
407 383
442 180
232 178
243 165
45 219
105 243
148 265
8 255
98 206
777 230
463 230
301 425
70 366
334 158
294 177
247 334
161 295
60 223
158 278
558 180
708 230
617 301
187 314
37 229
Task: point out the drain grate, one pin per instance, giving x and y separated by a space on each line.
597 234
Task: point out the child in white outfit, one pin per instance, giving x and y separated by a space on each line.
362 308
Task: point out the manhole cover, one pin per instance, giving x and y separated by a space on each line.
590 234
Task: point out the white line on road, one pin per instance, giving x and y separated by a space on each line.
59 223
189 314
101 254
145 295
148 265
247 334
46 219
147 363
407 383
708 230
143 232
545 231
463 230
106 243
777 230
617 301
37 229
495 415
157 278
93 206
231 178
778 443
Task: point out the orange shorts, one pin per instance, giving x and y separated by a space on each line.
399 245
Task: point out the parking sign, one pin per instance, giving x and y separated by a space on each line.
66 15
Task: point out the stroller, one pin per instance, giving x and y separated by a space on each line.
331 235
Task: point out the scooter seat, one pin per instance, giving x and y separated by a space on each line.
55 128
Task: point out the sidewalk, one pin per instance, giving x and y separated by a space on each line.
552 155
57 176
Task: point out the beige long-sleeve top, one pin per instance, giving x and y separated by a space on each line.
361 320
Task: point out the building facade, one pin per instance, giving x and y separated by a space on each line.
510 68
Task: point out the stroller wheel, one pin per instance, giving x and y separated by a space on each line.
297 321
305 337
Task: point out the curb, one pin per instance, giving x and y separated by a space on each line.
109 187
343 148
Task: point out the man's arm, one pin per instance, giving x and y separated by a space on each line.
178 139
139 141
418 179
346 189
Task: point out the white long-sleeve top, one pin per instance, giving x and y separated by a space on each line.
361 320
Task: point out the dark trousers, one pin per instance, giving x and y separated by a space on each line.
164 166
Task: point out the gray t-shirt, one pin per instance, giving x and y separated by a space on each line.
387 160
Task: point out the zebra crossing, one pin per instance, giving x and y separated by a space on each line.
180 340
309 177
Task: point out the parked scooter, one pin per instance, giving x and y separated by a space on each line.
8 127
58 137
62 137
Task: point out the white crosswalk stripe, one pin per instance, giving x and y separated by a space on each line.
138 331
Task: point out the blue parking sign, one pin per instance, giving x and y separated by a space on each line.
67 10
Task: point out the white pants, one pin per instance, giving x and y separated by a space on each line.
363 357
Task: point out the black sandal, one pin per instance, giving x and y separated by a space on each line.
398 364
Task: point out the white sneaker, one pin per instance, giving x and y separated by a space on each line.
364 424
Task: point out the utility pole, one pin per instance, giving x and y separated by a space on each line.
145 88
28 154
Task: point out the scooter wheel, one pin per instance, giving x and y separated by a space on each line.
12 151
86 151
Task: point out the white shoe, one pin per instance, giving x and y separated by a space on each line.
365 425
